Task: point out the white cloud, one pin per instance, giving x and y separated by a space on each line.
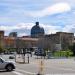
51 29
54 9
7 28
21 28
22 34
25 28
69 28
18 26
25 25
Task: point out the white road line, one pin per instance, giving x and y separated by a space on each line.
30 73
61 68
67 69
61 74
26 72
17 73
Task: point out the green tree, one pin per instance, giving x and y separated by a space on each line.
72 48
1 49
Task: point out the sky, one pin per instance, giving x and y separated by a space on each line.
53 15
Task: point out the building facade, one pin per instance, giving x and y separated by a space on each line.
62 39
2 38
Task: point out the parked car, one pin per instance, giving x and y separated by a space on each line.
40 52
11 57
6 65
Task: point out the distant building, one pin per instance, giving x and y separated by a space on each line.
2 38
62 39
13 34
20 42
37 31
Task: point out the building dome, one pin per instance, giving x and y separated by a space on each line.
37 31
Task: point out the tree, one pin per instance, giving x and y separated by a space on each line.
1 49
72 47
46 44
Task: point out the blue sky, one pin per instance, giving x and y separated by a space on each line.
21 15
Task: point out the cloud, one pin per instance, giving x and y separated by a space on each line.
54 9
21 28
69 28
25 25
7 28
17 27
24 28
51 28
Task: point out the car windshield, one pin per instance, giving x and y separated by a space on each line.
1 60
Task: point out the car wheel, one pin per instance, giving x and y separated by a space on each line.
9 68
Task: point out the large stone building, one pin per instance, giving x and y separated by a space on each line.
1 38
13 34
20 42
38 38
62 40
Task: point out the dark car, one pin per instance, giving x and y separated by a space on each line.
40 52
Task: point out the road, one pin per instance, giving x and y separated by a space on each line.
51 67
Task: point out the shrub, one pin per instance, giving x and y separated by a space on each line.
65 53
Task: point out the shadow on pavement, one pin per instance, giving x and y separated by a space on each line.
2 71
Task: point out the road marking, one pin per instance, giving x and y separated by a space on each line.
30 73
61 68
62 74
17 73
68 69
26 72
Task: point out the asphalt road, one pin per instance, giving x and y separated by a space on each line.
50 67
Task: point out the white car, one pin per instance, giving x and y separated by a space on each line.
7 65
